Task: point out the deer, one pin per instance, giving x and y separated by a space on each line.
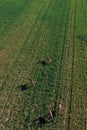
50 112
49 59
32 81
60 106
53 113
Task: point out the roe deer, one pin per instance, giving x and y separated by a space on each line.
49 59
32 81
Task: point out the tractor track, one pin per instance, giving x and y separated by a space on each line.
72 71
61 61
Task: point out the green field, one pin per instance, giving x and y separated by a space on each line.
31 30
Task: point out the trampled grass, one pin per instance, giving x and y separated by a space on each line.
29 32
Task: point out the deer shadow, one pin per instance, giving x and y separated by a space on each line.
23 87
41 120
43 62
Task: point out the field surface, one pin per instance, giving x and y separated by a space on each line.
31 30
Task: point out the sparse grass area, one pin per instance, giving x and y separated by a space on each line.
31 31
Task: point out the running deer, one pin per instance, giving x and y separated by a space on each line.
49 59
50 112
61 106
32 81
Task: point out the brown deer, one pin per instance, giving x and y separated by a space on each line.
32 81
49 59
50 112
60 106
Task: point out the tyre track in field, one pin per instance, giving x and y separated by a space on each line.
70 115
72 79
72 71
18 77
23 46
61 62
83 83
